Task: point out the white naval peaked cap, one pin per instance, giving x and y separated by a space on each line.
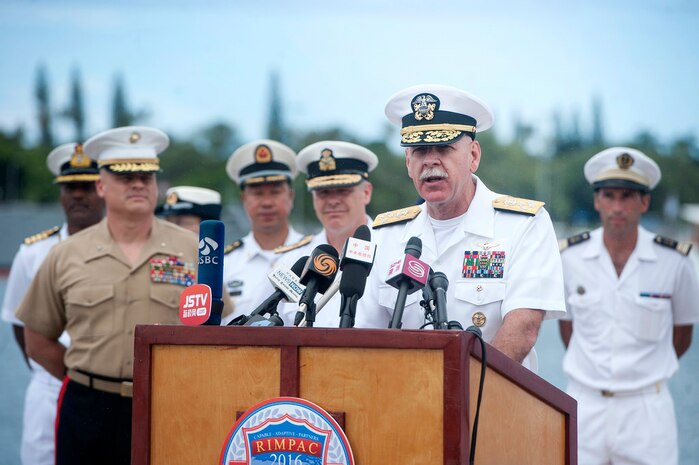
128 149
433 114
190 200
333 163
69 163
690 213
261 161
622 167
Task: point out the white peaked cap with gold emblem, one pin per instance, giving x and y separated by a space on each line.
69 163
261 161
622 167
333 163
190 200
128 149
433 114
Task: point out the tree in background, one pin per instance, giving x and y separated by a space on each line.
43 106
75 111
122 115
275 127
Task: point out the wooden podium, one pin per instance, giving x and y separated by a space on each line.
406 397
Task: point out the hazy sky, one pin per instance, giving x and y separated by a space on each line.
192 63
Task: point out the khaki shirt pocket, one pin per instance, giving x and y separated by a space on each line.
90 310
165 303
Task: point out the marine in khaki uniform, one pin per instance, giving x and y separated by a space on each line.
82 207
499 253
98 285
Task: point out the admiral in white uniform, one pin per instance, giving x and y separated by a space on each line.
499 253
632 300
264 170
337 175
76 174
188 206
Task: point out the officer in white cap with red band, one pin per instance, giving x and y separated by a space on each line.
264 170
128 269
76 173
337 175
632 301
498 252
188 206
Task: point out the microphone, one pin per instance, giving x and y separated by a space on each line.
286 287
439 284
210 265
357 261
318 274
408 275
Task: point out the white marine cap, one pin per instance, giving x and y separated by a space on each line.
690 213
622 167
261 161
332 163
69 163
128 149
190 200
432 114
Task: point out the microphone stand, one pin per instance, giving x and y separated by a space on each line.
348 310
310 314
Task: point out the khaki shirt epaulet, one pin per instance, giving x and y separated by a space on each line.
232 246
515 205
42 235
401 215
573 240
286 248
681 247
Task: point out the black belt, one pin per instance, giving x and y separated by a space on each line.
123 387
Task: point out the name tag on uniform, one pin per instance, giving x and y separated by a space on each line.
483 264
172 270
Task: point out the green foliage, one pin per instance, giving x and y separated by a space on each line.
43 106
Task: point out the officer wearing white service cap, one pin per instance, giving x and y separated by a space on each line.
632 300
264 170
76 173
497 252
188 206
337 175
128 269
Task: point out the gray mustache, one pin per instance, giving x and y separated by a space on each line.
433 173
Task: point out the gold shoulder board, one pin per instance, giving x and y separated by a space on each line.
573 240
286 248
232 246
516 205
42 235
681 247
396 216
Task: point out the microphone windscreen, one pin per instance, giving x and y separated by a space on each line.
327 248
321 266
363 233
414 247
353 280
297 269
210 256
